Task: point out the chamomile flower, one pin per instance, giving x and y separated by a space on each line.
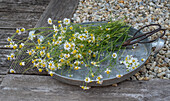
80 36
87 80
49 21
121 62
85 30
60 26
12 55
133 60
42 53
99 78
99 82
79 56
71 27
57 42
31 35
85 87
108 71
67 46
89 51
66 21
85 36
76 63
54 27
77 68
22 30
66 55
18 31
118 75
56 31
12 71
9 39
21 45
107 29
61 60
114 55
50 63
142 59
40 70
108 36
15 46
70 75
8 57
74 51
73 45
51 73
40 39
22 63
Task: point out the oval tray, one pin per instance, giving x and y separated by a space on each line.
141 51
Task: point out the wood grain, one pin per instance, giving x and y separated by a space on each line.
57 9
44 88
13 14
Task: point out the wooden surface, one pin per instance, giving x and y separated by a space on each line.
26 13
44 88
13 14
58 10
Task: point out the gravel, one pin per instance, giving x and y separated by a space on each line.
136 13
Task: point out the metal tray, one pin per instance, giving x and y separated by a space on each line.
141 51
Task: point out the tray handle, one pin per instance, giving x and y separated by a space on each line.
159 45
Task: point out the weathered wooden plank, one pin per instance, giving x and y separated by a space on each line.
1 78
12 16
26 23
65 8
25 8
43 88
30 2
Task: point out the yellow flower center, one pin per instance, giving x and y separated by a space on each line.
133 60
81 36
107 72
119 76
50 21
38 41
29 53
50 64
20 46
71 28
17 31
8 58
12 71
40 70
81 46
51 74
48 55
133 67
62 60
74 51
9 39
67 46
89 51
114 55
14 47
98 78
66 20
12 56
22 30
86 79
59 21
